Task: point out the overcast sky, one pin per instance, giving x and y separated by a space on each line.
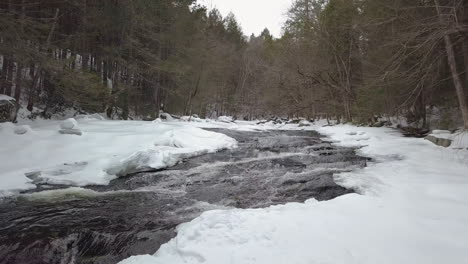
254 15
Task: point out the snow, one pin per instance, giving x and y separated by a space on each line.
21 130
69 123
411 207
191 119
459 139
303 123
90 117
226 119
6 98
107 149
166 116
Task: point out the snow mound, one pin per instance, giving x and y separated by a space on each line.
191 119
69 123
304 123
166 116
196 139
21 130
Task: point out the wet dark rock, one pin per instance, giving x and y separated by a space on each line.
268 168
415 132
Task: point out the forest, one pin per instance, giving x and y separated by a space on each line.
166 132
349 60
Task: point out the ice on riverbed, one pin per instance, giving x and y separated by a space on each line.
106 150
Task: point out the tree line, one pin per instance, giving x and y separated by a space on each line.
351 60
128 58
358 60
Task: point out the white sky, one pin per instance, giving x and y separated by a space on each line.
254 15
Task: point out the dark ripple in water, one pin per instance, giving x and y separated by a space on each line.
268 168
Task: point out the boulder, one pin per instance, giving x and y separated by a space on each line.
8 109
443 142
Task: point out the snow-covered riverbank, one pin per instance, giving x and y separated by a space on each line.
105 150
412 207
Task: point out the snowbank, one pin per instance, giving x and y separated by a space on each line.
412 208
6 97
106 149
226 119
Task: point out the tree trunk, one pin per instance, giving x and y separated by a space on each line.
465 41
455 75
188 104
3 77
19 82
9 78
37 78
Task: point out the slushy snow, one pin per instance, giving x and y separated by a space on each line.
412 208
106 150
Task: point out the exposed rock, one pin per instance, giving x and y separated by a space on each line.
415 132
443 142
381 124
73 131
8 109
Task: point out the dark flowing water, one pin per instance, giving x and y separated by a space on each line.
136 214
